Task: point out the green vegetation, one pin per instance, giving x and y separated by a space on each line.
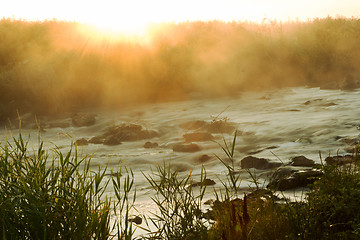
57 196
52 67
57 199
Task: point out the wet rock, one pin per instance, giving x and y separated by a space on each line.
137 220
207 182
339 160
258 163
83 119
282 172
204 158
112 140
81 142
124 132
180 147
294 179
130 132
198 137
151 145
96 140
301 161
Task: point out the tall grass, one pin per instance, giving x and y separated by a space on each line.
179 213
50 199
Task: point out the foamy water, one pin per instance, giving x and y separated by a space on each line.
290 122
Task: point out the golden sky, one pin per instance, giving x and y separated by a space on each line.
134 15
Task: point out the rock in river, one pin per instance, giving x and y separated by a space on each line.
83 119
81 142
124 132
207 182
339 160
301 161
258 163
151 145
287 178
180 147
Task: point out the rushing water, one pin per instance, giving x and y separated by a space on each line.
277 125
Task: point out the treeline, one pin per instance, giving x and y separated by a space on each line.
50 67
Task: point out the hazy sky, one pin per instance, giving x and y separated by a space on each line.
133 14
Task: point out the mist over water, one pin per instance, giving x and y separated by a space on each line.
53 68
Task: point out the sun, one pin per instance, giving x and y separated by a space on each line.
122 27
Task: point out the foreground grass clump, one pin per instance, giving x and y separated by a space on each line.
328 211
50 199
333 205
180 215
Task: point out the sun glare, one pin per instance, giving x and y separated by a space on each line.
134 27
114 18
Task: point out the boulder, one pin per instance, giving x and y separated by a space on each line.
151 145
198 137
81 142
112 140
207 182
301 161
258 163
83 119
180 147
137 220
124 132
96 140
203 158
339 160
291 179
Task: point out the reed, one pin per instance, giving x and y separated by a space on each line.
43 197
179 214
